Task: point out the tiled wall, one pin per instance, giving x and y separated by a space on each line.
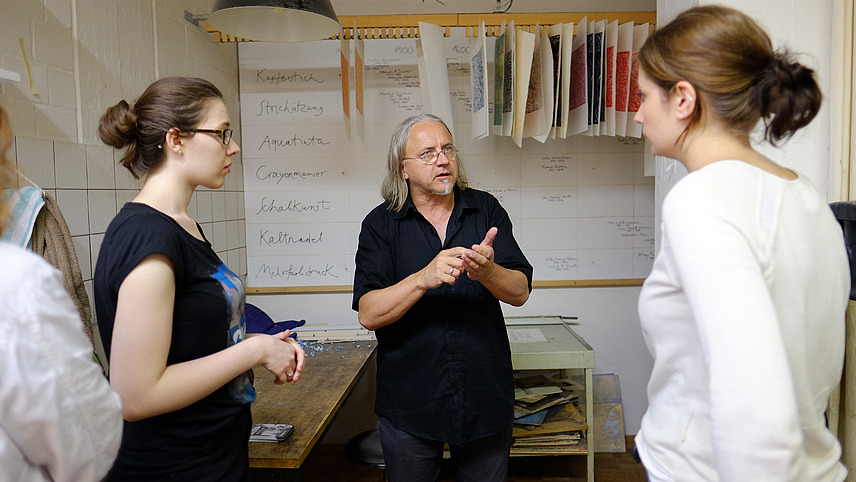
90 187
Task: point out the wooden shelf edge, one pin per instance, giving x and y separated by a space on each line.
407 26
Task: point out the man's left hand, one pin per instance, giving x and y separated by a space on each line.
478 261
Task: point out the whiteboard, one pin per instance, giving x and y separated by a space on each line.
582 208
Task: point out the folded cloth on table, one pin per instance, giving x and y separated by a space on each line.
259 322
25 202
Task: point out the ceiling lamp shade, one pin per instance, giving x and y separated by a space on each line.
275 20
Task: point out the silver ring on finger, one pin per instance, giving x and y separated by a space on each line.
452 271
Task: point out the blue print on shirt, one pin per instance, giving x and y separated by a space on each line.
241 387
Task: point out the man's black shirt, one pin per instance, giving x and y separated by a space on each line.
444 368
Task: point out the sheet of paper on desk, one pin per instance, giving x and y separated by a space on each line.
525 335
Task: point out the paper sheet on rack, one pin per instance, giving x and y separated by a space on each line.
634 129
434 73
554 37
345 54
539 105
577 96
359 70
622 76
595 75
508 84
478 80
609 84
565 80
498 79
524 51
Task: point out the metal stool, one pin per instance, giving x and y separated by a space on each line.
365 448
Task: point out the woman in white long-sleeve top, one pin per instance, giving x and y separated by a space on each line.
744 308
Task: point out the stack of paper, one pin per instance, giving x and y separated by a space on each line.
547 419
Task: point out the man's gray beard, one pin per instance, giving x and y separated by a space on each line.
447 190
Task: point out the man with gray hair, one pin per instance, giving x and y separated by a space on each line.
433 263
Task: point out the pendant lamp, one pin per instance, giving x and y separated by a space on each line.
275 20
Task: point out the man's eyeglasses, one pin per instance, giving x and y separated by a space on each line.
225 135
430 157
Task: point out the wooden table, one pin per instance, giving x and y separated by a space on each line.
331 372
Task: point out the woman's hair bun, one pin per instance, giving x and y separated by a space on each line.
118 126
789 97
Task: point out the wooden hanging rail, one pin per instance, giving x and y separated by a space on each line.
407 26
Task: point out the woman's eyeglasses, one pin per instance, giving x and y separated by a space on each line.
225 135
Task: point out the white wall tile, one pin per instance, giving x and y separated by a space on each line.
233 260
70 162
102 209
95 247
218 240
218 205
53 46
191 207
203 207
232 205
81 248
58 12
124 178
243 260
233 235
124 196
55 123
99 167
74 205
36 161
61 89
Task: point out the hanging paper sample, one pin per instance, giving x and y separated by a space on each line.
359 70
498 79
622 76
565 81
539 105
434 73
345 51
634 129
594 51
524 51
480 125
554 35
609 84
577 120
508 81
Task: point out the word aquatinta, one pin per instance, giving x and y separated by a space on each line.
273 144
277 272
264 174
275 77
292 206
266 107
266 238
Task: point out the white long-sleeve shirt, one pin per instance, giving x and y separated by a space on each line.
744 315
59 419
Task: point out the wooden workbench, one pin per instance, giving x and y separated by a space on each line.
329 376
